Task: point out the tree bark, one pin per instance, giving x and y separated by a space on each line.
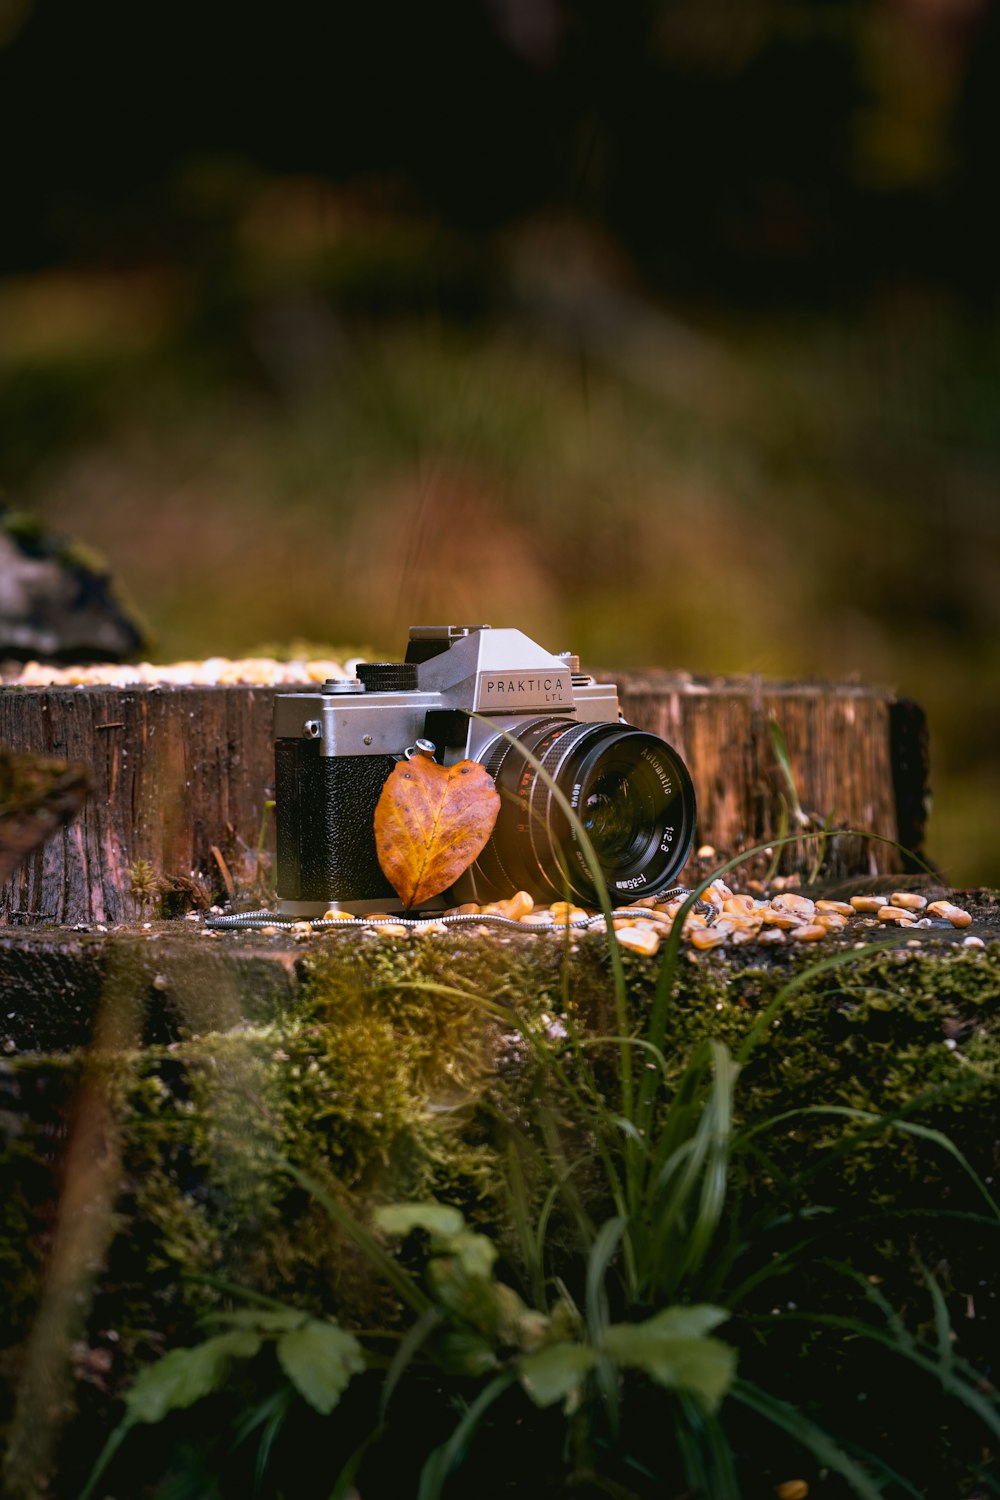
176 771
182 776
858 755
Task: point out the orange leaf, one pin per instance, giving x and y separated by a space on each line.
431 822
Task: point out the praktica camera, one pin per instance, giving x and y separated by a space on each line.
493 696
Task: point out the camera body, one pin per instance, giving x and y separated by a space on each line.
479 694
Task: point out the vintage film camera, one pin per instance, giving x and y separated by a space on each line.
335 748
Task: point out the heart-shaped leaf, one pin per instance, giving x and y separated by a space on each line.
431 822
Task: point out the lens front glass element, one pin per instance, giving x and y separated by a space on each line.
628 789
612 814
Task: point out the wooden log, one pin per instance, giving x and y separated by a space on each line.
176 771
54 981
858 760
182 776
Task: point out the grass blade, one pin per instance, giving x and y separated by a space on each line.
444 1459
517 1194
406 1288
808 1435
714 1462
963 1382
416 1335
874 1125
604 901
105 1457
942 1326
606 1242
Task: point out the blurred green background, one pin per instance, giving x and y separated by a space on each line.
667 332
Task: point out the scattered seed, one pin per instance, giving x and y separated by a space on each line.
867 903
739 904
908 900
956 915
640 939
706 937
837 908
725 924
799 906
896 915
518 905
973 942
774 918
808 932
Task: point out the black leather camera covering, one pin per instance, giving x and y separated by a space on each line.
326 823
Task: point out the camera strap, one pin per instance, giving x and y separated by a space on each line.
274 922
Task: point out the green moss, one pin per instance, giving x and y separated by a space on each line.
388 1077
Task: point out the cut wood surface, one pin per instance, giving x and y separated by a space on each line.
182 776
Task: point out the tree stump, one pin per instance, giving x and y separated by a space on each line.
182 776
177 772
859 760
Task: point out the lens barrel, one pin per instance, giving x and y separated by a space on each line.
628 789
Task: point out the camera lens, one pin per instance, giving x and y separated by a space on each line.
612 816
628 789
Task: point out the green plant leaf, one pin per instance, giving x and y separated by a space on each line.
472 1297
261 1320
402 1218
460 1351
475 1253
673 1349
184 1376
319 1359
685 1322
556 1372
517 1323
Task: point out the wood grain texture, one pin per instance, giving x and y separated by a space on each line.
178 770
175 770
859 756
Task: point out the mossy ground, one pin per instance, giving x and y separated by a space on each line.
393 1073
